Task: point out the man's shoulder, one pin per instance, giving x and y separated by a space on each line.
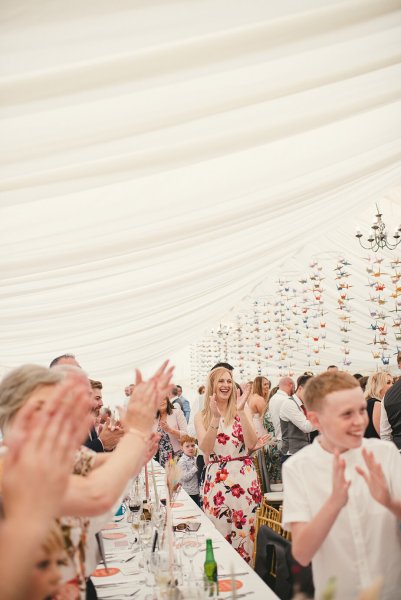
274 400
286 403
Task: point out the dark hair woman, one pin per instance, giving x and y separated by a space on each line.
171 425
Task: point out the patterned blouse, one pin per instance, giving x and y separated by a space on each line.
75 533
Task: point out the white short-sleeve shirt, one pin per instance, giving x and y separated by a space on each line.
365 540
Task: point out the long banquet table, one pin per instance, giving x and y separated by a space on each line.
124 578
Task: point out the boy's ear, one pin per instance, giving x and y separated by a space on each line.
313 417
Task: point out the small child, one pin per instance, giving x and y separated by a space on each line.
45 581
342 494
187 463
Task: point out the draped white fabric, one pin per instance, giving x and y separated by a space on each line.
161 158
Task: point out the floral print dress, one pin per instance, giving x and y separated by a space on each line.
231 492
165 447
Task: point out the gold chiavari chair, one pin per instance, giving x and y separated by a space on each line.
269 512
267 515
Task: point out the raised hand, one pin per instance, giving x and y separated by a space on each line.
110 437
162 377
214 408
164 425
262 441
340 484
242 400
152 447
145 399
375 479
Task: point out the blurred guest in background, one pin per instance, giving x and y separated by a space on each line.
376 388
171 426
257 403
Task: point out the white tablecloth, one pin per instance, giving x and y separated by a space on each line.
131 576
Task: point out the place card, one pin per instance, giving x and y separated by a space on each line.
226 585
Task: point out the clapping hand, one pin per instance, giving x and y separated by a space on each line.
145 399
214 408
262 441
164 425
242 400
152 447
375 479
340 484
110 435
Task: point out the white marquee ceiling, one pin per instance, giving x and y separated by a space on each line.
161 159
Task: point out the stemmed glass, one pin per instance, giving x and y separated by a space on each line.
190 547
159 565
135 506
158 515
145 537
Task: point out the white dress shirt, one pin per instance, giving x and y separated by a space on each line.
274 409
365 540
290 412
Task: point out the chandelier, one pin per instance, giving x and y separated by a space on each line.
378 237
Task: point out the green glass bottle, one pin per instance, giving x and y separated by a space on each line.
210 570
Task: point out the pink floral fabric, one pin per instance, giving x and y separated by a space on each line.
231 493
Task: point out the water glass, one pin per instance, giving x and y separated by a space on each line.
190 547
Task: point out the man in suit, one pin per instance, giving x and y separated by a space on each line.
107 440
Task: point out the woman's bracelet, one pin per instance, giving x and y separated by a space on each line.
140 434
212 427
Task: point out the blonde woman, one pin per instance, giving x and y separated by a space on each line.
231 492
376 388
257 403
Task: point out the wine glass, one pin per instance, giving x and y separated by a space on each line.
135 506
160 567
158 515
145 537
190 547
145 532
